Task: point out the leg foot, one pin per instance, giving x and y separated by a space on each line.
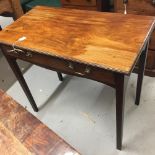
60 76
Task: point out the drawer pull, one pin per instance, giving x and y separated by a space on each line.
79 73
71 66
19 51
28 54
87 70
15 50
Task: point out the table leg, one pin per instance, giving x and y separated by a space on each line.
60 76
119 80
14 66
141 69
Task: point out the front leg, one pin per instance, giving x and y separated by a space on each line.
15 68
119 85
141 69
60 76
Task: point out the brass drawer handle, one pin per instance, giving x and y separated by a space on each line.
19 51
79 73
28 54
15 50
71 66
86 71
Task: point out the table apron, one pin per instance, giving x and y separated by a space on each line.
65 66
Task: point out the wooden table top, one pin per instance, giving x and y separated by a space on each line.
23 134
107 40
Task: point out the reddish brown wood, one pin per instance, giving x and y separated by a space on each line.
11 6
9 145
79 2
83 36
25 134
61 65
100 5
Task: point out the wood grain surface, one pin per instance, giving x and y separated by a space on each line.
107 40
9 144
23 134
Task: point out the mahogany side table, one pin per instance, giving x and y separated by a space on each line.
100 46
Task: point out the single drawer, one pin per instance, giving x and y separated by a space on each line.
79 2
62 65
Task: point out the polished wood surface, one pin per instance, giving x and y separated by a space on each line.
105 40
23 134
145 7
11 6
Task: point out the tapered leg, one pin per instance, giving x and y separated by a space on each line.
119 80
60 76
13 64
141 69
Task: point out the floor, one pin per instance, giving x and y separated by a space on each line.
82 112
18 131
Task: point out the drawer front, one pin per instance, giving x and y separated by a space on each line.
79 2
62 65
144 7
